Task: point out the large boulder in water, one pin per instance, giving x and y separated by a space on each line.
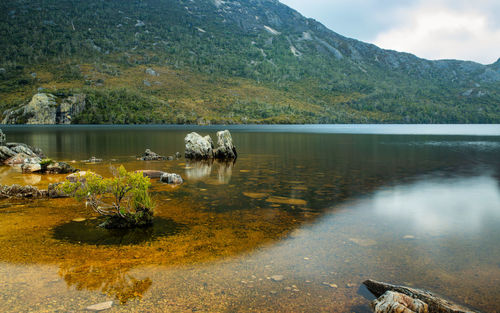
225 150
198 147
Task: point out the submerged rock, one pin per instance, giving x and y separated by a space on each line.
149 155
225 150
198 147
100 306
171 178
151 173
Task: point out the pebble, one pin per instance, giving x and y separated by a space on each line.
409 237
330 285
277 277
79 219
100 306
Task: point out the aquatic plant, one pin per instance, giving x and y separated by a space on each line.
124 198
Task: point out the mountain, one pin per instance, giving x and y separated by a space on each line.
214 61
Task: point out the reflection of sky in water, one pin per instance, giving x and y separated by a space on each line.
453 205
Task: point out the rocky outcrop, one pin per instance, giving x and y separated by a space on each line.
202 148
69 108
397 302
226 150
172 179
45 108
198 147
149 155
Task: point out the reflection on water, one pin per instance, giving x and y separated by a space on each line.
325 211
89 232
201 169
442 206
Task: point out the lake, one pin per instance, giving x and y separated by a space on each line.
296 224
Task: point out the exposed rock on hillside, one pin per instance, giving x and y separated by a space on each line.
45 108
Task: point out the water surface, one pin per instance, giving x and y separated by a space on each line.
326 207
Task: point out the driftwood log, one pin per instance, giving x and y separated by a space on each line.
435 303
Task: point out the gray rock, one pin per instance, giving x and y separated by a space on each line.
152 72
23 149
22 158
170 178
37 151
146 83
149 155
178 155
100 306
28 168
41 109
225 150
198 147
70 107
6 153
59 168
152 173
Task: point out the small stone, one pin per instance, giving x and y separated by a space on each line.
79 219
408 237
350 285
330 285
171 178
277 278
100 306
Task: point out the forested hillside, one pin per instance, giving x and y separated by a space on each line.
214 61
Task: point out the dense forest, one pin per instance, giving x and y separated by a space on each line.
213 61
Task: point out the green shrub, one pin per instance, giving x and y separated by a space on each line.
124 199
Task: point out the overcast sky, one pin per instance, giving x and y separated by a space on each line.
432 29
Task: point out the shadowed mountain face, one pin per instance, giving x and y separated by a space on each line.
256 60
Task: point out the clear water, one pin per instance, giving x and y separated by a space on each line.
326 207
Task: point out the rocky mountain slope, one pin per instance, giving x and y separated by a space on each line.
214 61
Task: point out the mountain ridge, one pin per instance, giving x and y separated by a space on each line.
89 47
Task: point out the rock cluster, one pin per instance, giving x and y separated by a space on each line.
30 159
30 192
149 155
202 148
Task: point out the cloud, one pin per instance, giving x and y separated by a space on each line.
444 33
434 29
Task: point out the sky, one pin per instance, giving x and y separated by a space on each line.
431 29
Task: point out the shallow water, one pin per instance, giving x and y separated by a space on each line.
326 207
